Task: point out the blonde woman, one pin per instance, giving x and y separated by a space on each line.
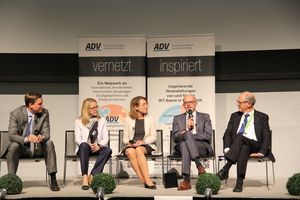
91 138
139 137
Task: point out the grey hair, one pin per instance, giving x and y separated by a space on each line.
250 98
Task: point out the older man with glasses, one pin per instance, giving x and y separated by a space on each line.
247 132
192 132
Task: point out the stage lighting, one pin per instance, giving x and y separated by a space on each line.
100 193
208 193
3 193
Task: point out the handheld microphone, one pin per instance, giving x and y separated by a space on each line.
93 129
190 112
93 135
36 133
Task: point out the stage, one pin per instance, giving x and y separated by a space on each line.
132 189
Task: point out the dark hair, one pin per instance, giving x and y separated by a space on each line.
30 98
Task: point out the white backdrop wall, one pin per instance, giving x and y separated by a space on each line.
35 26
282 107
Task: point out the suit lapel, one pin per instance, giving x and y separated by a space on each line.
24 118
183 120
198 122
237 121
256 124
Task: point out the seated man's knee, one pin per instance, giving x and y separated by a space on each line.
14 147
49 145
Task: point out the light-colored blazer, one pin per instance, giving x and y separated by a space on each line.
82 133
150 131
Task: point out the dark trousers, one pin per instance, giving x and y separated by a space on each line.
84 154
239 153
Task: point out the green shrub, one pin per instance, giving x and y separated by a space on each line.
12 183
208 180
104 180
293 184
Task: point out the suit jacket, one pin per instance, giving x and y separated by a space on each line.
150 131
261 127
82 133
18 125
203 128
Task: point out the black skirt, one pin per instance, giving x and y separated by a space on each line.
147 147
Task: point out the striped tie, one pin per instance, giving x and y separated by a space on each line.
242 129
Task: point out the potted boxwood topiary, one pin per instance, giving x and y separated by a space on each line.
12 183
293 184
208 180
104 180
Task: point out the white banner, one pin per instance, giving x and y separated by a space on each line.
179 65
112 70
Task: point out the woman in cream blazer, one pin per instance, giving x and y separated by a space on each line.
139 137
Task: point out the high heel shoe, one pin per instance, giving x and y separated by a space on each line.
85 187
152 187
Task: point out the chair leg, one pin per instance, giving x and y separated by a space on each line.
65 167
110 166
162 168
117 171
273 173
267 175
167 164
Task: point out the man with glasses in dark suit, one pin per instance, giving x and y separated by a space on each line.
248 132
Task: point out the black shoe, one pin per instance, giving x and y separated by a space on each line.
239 186
153 187
54 186
222 174
85 187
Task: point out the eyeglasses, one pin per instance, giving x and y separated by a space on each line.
240 102
189 102
93 108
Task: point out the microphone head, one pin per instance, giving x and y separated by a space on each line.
36 132
92 122
190 112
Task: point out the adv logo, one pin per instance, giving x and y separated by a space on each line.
93 46
162 47
113 113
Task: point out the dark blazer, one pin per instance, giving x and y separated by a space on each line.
18 125
262 131
203 128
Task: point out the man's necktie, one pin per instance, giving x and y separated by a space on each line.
28 132
242 129
28 129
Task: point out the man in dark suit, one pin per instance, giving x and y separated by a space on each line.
28 127
192 132
248 132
